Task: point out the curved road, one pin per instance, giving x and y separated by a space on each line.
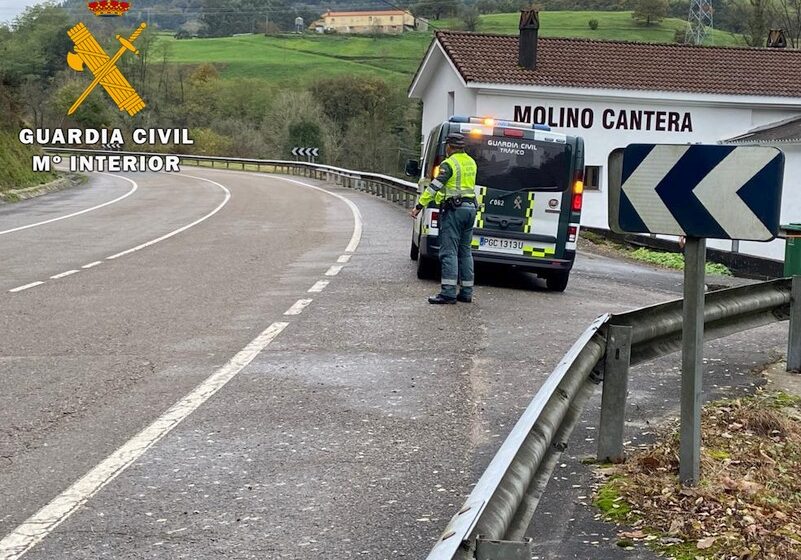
356 430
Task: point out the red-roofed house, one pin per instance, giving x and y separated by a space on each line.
613 93
373 21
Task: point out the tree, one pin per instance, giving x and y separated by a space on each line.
753 19
436 8
650 11
788 16
470 18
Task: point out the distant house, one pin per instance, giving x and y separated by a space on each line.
377 21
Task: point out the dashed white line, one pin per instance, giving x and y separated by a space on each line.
92 264
334 270
47 519
25 287
43 522
64 274
181 229
318 287
299 306
344 259
50 221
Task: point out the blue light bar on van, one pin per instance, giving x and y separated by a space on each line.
489 121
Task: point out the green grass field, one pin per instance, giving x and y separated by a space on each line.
292 60
295 60
612 26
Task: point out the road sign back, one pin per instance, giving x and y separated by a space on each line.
714 191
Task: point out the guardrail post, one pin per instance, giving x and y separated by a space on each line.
615 389
794 338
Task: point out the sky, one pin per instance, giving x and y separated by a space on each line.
9 9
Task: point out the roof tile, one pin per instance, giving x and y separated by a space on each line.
588 63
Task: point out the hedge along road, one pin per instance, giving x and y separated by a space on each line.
356 432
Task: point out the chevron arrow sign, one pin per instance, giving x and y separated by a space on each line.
710 191
306 152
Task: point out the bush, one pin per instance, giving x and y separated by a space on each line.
593 24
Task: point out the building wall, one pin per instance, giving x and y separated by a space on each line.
436 105
599 125
366 23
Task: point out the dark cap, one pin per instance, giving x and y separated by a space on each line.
455 140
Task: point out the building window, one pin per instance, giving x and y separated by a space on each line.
451 103
391 18
592 178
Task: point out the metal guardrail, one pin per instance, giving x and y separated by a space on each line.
398 191
494 519
496 516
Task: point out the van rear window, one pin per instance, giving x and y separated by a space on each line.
513 164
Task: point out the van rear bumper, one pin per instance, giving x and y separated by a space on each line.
429 247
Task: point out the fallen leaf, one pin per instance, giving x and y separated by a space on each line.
705 543
633 535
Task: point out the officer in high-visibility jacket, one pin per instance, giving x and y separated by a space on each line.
454 186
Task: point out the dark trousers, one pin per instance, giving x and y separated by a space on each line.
455 252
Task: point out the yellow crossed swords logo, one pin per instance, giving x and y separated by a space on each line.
88 53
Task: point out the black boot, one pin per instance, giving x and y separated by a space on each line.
439 299
464 299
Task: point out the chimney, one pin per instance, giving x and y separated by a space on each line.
776 39
529 33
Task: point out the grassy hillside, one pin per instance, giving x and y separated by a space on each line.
293 60
15 164
617 26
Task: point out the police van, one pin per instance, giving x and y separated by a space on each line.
529 192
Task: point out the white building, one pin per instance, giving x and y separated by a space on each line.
617 93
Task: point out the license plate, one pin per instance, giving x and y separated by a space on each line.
512 246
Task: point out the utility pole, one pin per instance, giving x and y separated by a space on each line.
267 23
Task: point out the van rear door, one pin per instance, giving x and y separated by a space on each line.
523 191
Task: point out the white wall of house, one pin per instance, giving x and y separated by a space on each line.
711 119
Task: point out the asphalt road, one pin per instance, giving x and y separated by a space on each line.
356 430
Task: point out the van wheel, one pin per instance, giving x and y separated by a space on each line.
557 282
414 252
426 268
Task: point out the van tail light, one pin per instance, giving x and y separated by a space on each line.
435 219
571 234
435 170
578 191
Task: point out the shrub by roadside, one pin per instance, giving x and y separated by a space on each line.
659 258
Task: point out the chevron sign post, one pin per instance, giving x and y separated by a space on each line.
717 191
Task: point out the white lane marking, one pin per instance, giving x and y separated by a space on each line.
64 274
43 522
299 306
344 259
92 264
334 270
134 187
318 287
25 287
181 229
47 519
357 215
